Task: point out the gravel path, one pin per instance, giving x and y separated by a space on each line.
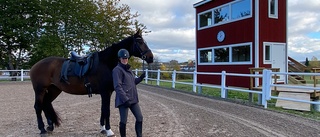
167 113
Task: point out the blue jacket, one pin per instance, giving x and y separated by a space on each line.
124 83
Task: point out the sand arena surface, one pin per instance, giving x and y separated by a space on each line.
167 113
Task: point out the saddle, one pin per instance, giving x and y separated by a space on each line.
79 66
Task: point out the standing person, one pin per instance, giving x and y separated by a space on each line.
124 83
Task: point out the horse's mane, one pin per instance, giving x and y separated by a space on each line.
109 55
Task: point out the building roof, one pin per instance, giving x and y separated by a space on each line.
201 3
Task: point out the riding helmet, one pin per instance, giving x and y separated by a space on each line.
123 53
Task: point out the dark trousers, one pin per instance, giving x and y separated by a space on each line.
136 111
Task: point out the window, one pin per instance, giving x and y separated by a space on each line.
273 8
241 53
267 53
233 11
205 19
227 54
221 55
240 9
206 56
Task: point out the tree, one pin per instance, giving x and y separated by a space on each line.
34 29
307 62
314 62
135 62
113 23
156 64
19 24
164 75
174 65
96 24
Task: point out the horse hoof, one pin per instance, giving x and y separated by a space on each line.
103 131
110 133
50 129
43 134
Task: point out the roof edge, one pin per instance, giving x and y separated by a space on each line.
201 3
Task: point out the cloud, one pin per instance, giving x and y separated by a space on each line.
303 29
172 23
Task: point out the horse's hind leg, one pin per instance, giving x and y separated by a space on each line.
51 115
38 106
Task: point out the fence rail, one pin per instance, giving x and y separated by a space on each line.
14 75
264 95
155 75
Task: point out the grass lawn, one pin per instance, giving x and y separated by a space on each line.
238 96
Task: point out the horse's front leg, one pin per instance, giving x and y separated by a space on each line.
105 114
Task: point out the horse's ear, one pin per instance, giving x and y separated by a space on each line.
139 32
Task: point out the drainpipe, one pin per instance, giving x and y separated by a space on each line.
256 35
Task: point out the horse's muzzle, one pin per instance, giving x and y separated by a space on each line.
149 60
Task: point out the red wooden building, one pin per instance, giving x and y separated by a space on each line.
235 35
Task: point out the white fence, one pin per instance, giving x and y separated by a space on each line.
265 94
14 75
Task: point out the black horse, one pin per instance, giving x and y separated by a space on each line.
47 84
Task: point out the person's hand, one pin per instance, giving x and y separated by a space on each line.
126 104
143 75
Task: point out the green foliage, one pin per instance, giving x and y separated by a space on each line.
19 25
135 63
31 30
164 75
184 76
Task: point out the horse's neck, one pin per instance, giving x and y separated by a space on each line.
109 56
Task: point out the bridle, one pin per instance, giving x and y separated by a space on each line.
137 47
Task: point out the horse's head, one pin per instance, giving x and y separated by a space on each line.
140 48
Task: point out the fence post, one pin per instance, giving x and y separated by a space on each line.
174 79
194 82
158 77
265 87
21 74
268 89
136 72
146 79
223 84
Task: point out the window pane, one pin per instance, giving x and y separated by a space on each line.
241 9
241 53
221 55
221 14
205 56
267 53
272 7
206 19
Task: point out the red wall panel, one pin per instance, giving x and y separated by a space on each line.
270 30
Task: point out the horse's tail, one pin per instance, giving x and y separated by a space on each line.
50 112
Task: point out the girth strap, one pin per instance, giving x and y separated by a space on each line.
87 84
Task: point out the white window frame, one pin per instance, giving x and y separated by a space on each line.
265 61
276 9
223 22
205 63
204 12
230 55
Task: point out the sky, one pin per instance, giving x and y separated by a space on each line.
172 26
